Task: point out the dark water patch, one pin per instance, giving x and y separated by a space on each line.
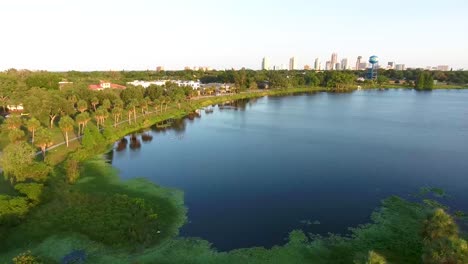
251 172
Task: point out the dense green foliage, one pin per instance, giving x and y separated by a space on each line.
424 81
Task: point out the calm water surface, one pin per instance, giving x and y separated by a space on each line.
253 174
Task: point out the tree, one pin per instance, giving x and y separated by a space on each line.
441 241
106 103
66 124
82 106
13 122
92 138
16 159
117 114
94 102
100 116
82 119
424 81
16 135
7 86
33 124
43 140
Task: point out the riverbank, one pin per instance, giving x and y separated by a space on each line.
58 152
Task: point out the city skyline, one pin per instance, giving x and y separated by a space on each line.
139 35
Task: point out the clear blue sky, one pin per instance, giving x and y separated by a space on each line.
142 34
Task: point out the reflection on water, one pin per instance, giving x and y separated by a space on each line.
135 143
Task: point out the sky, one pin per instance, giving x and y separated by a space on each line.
61 35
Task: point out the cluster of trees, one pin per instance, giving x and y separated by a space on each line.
425 81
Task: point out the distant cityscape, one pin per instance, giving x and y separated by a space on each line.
334 64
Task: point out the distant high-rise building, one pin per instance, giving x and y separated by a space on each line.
358 63
344 64
306 67
391 65
328 66
292 63
265 64
160 68
334 60
443 68
363 65
317 64
400 67
338 66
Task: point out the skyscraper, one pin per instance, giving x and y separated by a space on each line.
358 63
344 64
334 60
292 63
265 64
317 64
337 66
400 67
328 66
391 65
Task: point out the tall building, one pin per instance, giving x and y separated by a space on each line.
265 64
344 64
358 63
317 64
306 67
443 68
363 65
400 67
334 60
160 68
391 65
338 66
292 63
328 66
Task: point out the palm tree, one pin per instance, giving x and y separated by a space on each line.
94 102
13 122
82 106
100 116
43 140
32 124
134 103
66 124
156 103
116 112
129 113
82 119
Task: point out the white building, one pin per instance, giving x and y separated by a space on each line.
344 64
265 64
292 64
400 67
443 68
145 84
317 64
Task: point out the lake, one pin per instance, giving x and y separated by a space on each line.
255 170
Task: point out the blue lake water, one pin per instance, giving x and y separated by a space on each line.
252 174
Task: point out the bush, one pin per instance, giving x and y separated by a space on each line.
33 191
